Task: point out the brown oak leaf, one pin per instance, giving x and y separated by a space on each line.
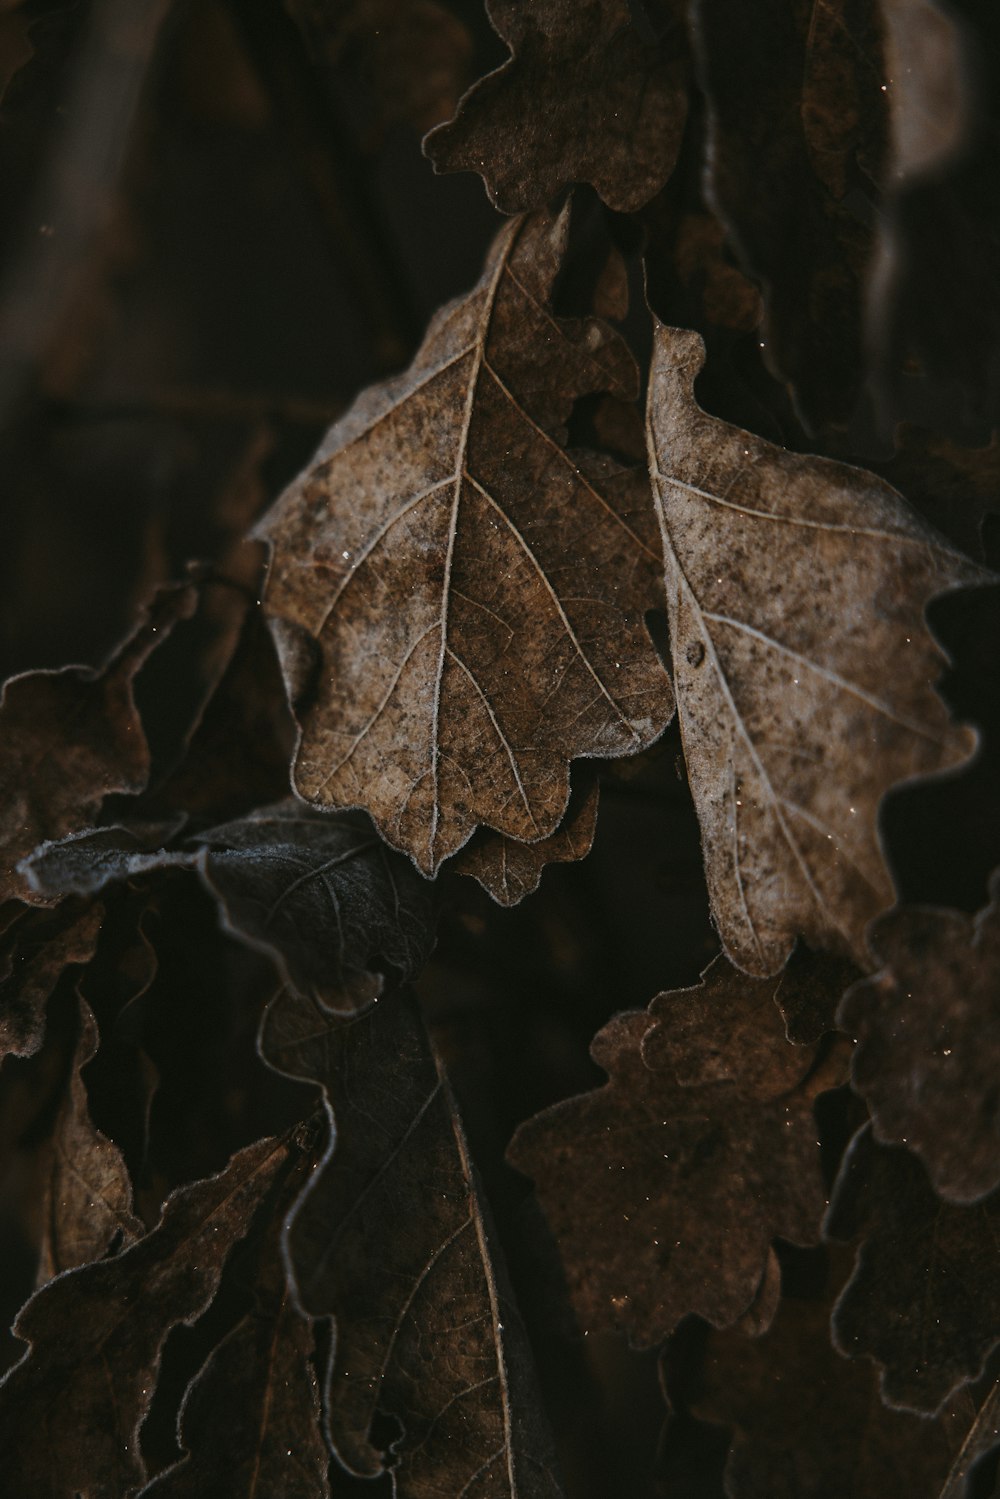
87 1201
475 591
96 1335
664 1195
70 738
924 1298
510 870
809 1422
927 1027
427 1340
584 97
800 705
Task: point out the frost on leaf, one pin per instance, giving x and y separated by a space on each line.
474 590
803 667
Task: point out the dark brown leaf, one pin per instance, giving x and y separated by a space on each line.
793 720
87 1191
510 870
798 135
319 893
809 1423
927 1026
427 1338
250 1421
40 946
953 487
475 591
664 1195
982 1438
809 989
924 1298
96 1335
584 97
69 739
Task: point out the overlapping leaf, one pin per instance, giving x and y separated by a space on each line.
924 1298
96 1335
69 739
799 706
473 589
928 1033
427 1339
798 137
809 1422
588 95
510 870
665 1187
250 1421
39 947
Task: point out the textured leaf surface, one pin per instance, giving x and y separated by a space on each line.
585 97
475 590
96 1335
924 1298
799 706
510 870
427 1338
40 946
928 1033
664 1194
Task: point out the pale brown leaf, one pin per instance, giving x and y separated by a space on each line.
801 702
510 870
474 592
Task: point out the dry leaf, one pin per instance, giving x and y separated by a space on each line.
800 706
96 1335
809 1423
585 97
250 1420
510 870
664 1195
924 1298
41 945
72 737
87 1201
427 1340
475 591
928 1042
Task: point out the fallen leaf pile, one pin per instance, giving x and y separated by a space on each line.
500 927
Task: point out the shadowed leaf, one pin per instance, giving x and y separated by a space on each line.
250 1421
70 738
809 1423
585 97
924 1298
320 893
40 946
799 708
96 1335
928 1031
475 590
427 1339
